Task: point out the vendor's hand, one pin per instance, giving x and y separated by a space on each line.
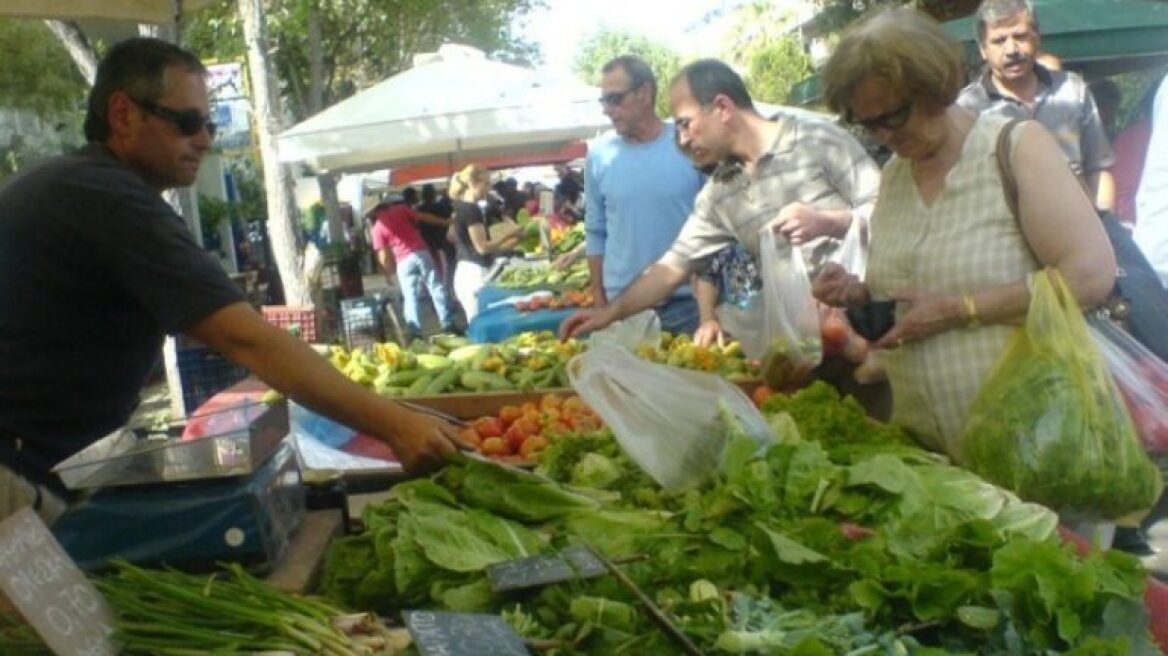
585 321
800 222
709 332
423 443
836 287
925 315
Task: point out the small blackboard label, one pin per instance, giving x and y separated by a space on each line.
48 589
462 634
571 563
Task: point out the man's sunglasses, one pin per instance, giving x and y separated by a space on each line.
893 120
614 98
188 121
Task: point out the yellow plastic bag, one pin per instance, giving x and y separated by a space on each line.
1050 424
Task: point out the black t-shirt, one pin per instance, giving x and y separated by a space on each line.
95 269
434 235
465 215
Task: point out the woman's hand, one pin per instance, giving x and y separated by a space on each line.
836 287
709 332
925 315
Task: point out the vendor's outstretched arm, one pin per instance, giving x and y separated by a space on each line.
291 367
652 287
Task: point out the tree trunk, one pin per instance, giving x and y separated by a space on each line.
282 216
326 182
78 46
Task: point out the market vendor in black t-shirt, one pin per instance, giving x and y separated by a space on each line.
95 269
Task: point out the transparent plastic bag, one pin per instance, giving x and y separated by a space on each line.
643 327
780 326
852 253
1142 379
1049 423
665 418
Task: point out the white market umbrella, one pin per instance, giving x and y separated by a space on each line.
453 103
139 11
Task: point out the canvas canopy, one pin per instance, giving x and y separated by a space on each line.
453 104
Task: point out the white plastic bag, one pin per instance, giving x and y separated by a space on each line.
643 327
1142 379
852 253
780 326
665 418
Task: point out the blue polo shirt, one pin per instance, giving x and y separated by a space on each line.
638 196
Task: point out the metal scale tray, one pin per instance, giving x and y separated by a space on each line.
243 438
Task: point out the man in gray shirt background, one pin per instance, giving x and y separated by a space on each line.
1014 84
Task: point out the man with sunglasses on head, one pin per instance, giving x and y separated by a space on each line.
95 269
638 190
1014 84
805 178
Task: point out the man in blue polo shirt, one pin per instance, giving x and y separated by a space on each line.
639 190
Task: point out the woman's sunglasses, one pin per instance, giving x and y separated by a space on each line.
188 121
893 120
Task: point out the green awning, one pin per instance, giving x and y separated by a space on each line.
1094 37
805 92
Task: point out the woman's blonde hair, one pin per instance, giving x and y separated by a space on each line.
462 183
903 47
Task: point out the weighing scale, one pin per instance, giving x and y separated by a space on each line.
236 495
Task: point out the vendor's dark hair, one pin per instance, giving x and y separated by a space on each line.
638 71
138 68
709 78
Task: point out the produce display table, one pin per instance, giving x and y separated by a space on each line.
492 293
503 321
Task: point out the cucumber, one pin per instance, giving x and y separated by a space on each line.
442 381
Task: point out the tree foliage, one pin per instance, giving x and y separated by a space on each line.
361 41
608 43
753 27
775 68
37 73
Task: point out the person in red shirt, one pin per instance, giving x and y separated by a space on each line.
395 231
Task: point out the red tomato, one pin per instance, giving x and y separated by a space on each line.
532 445
488 427
495 446
470 437
515 436
509 413
761 394
834 330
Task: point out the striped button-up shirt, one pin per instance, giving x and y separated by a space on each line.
812 161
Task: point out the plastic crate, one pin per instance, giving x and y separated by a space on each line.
204 373
304 321
363 321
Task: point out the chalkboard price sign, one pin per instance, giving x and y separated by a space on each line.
571 563
50 591
462 634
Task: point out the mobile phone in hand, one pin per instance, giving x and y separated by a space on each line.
872 320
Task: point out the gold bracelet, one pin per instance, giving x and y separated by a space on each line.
971 320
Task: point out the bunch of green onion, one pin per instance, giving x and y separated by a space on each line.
169 613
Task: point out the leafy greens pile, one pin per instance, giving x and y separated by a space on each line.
840 539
